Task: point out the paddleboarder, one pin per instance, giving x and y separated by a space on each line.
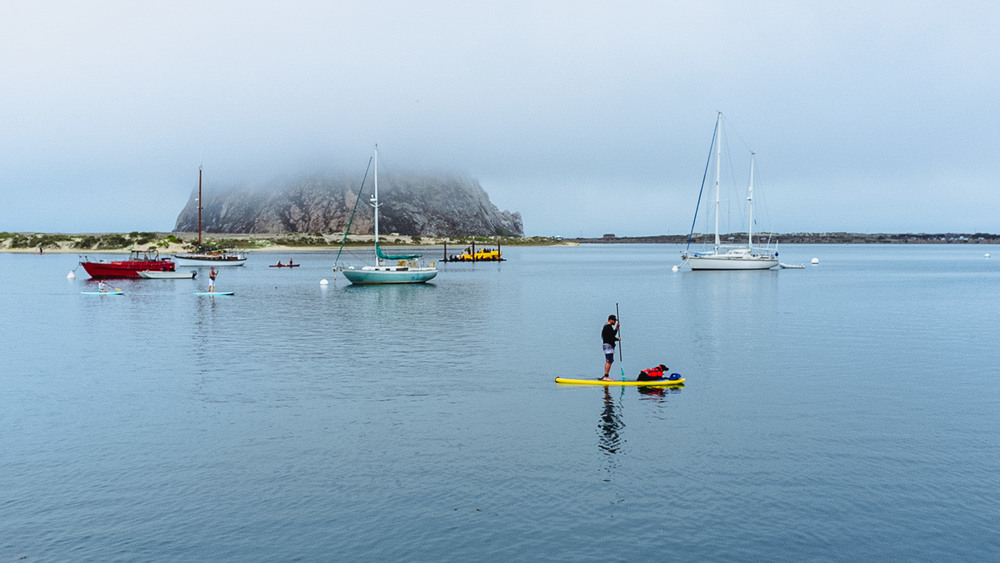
609 337
211 278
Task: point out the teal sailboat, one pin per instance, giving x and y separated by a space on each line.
388 268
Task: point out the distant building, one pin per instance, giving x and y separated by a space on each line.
609 235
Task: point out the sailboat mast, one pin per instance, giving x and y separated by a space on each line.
375 205
753 157
199 208
718 168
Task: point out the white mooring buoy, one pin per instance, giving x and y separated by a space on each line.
815 261
71 275
324 282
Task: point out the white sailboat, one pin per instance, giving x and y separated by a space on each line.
205 257
407 267
731 256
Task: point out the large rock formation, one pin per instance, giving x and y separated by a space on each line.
416 205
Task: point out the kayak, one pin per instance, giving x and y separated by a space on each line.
655 383
102 293
214 293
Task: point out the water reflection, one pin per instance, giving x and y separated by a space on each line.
611 426
652 393
658 394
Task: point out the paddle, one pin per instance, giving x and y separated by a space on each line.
621 361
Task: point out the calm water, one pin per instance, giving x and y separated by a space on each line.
842 412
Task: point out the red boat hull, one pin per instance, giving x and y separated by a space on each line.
125 268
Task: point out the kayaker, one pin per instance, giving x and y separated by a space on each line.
211 278
609 337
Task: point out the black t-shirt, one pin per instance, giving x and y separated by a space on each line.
608 334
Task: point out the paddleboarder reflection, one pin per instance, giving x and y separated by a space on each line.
611 425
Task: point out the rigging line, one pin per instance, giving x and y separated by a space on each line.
347 230
732 128
388 174
732 188
715 131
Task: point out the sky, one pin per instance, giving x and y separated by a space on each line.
586 117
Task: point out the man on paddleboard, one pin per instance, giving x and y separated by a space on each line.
211 278
609 336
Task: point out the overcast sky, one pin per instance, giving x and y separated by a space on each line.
586 117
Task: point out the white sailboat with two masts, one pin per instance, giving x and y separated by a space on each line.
729 256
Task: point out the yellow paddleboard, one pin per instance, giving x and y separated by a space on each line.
657 383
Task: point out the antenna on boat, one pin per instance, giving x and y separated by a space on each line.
753 158
718 167
199 207
374 202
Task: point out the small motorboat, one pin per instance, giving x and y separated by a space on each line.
138 261
154 275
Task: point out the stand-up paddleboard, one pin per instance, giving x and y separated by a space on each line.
654 383
215 293
102 293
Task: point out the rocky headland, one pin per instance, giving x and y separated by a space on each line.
410 205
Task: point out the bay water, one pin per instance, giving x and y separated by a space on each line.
844 411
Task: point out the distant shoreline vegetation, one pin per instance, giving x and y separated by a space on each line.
809 238
173 242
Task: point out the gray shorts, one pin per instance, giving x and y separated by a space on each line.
609 353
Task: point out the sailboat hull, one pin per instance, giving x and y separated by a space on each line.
736 259
206 260
704 263
388 275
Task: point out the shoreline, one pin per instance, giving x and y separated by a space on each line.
179 243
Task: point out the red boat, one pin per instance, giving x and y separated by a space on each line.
138 261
